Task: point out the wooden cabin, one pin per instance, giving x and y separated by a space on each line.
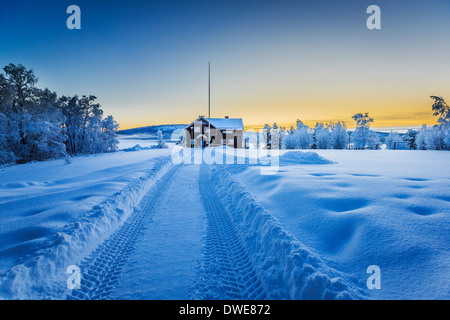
214 132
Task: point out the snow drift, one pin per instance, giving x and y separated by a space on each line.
287 268
298 157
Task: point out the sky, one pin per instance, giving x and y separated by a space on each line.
271 61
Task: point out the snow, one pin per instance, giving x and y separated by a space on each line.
309 230
299 157
52 213
227 123
136 148
141 139
385 208
286 267
164 263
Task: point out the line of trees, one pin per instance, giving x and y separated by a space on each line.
336 135
333 135
322 136
36 124
436 137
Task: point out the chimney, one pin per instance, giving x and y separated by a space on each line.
226 117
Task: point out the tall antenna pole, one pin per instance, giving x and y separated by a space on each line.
209 89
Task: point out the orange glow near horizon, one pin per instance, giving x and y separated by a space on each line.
286 116
378 123
396 93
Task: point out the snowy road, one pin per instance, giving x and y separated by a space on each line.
163 264
157 253
148 258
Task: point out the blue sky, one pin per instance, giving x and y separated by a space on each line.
146 61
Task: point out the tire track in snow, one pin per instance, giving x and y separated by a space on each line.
101 270
286 268
226 271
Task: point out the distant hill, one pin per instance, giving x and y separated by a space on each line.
150 132
165 128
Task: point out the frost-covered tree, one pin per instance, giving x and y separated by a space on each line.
291 130
435 138
275 137
110 140
6 154
265 137
338 135
321 137
373 140
33 117
8 132
282 134
299 138
44 140
22 83
303 138
438 136
6 95
392 139
87 131
318 127
301 125
18 88
421 138
289 141
447 137
45 136
91 124
441 109
362 134
410 138
94 136
161 144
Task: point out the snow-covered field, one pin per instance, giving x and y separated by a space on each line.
140 227
129 141
384 208
52 212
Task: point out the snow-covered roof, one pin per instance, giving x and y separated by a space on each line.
223 123
227 123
